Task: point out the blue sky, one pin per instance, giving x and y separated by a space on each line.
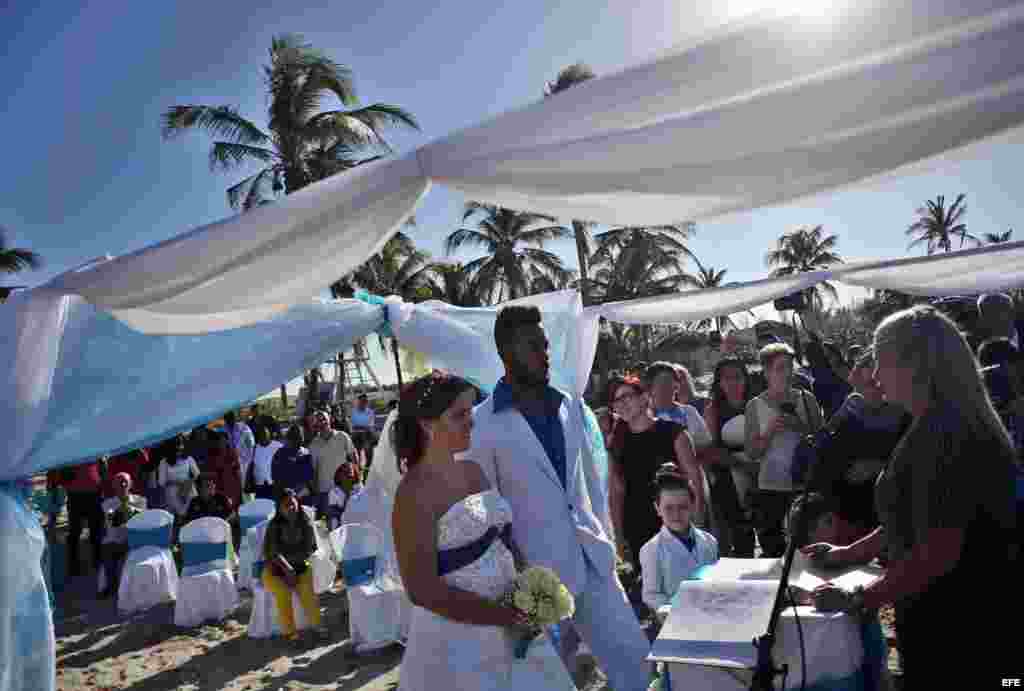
87 172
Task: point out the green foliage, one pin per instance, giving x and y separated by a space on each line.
15 259
936 226
806 249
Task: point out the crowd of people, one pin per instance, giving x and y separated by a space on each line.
908 448
208 472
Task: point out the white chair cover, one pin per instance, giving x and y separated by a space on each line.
378 610
207 587
323 564
264 622
250 514
150 576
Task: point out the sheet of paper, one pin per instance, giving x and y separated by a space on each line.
715 622
728 569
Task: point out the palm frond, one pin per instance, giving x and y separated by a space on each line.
227 155
467 237
14 259
568 77
244 195
219 121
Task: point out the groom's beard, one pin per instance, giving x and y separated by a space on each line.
526 380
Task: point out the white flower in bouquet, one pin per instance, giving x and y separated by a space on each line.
524 601
540 595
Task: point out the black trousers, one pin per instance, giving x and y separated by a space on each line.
84 508
770 509
735 533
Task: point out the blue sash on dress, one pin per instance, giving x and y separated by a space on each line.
450 560
359 571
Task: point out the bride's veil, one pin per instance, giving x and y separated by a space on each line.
375 503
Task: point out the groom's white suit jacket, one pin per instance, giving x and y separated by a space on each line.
557 527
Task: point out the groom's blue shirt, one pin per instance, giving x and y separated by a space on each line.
547 427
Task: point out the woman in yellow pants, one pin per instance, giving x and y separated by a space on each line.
289 544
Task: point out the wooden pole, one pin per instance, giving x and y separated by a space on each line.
398 364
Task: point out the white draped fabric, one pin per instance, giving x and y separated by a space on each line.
761 113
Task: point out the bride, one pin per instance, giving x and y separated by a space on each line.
454 557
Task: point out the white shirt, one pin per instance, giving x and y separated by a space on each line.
329 455
263 456
665 562
172 479
243 441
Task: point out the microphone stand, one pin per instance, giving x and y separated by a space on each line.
766 671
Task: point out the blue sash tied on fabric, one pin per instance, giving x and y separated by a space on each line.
257 569
212 555
359 571
450 560
154 537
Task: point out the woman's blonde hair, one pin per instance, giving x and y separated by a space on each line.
773 350
945 370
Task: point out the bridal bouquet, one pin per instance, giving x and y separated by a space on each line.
540 595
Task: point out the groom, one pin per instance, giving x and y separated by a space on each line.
528 438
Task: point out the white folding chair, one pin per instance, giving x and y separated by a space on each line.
377 605
324 566
250 514
149 576
264 621
206 589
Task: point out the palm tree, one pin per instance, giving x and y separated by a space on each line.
707 278
936 226
15 259
302 143
453 284
997 238
568 77
635 265
514 245
806 249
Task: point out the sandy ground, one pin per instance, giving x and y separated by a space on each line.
98 649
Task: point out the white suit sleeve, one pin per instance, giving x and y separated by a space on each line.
654 592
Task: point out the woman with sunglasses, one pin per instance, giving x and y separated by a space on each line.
640 446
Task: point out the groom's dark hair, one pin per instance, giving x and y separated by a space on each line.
510 320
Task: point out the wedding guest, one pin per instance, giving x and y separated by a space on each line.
131 462
946 503
865 430
209 502
775 422
641 445
364 425
258 418
83 484
223 465
259 480
118 510
996 318
733 473
288 546
662 385
559 513
679 548
178 474
686 391
331 450
199 444
241 439
346 487
292 467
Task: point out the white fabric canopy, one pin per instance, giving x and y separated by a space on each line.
761 113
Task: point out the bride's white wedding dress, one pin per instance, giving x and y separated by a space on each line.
445 654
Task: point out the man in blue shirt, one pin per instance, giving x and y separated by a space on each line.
532 443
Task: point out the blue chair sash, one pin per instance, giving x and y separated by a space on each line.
154 537
199 554
257 569
359 571
451 560
251 521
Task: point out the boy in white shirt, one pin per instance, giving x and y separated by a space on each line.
679 548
